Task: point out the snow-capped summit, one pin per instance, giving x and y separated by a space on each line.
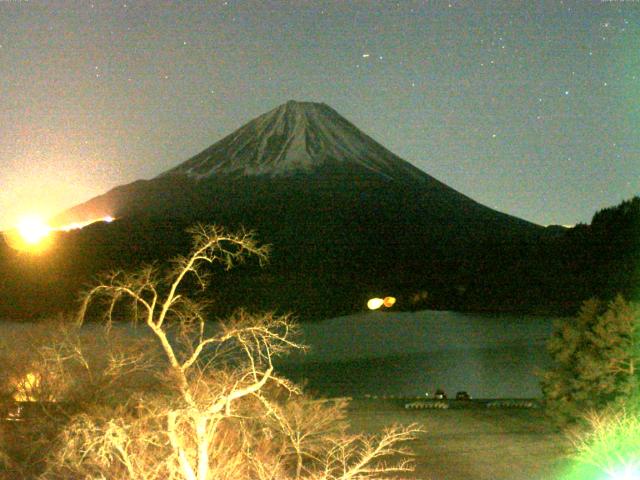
296 137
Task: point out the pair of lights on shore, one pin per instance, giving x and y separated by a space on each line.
376 303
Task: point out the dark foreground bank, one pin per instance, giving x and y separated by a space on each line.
471 443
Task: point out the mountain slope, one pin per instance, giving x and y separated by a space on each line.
300 142
346 217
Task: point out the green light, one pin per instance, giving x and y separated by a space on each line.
609 449
629 472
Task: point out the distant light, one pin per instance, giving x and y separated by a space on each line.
389 301
365 55
375 303
78 225
33 229
27 388
33 235
72 226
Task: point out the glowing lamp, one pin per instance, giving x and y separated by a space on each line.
375 303
389 301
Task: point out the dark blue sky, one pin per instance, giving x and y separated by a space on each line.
530 107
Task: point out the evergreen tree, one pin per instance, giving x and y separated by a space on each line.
595 357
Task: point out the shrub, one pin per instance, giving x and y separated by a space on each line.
595 359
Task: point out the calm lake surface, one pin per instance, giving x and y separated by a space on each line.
410 353
406 353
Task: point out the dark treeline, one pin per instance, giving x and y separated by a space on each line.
317 272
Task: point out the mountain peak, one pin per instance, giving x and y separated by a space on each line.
295 137
296 104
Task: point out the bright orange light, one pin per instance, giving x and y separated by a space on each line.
375 303
33 229
26 388
31 234
389 301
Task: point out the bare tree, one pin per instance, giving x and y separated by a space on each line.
224 413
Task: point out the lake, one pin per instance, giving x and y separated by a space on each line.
407 353
410 353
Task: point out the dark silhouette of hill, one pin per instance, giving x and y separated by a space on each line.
603 257
347 220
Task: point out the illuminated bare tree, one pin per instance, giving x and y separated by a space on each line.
224 413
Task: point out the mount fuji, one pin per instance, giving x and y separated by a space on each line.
296 144
346 217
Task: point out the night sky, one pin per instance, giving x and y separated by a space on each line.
528 107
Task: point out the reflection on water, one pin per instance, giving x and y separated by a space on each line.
401 353
408 354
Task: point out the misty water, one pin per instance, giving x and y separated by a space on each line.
411 353
404 353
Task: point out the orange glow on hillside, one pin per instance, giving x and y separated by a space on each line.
33 235
33 229
79 225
